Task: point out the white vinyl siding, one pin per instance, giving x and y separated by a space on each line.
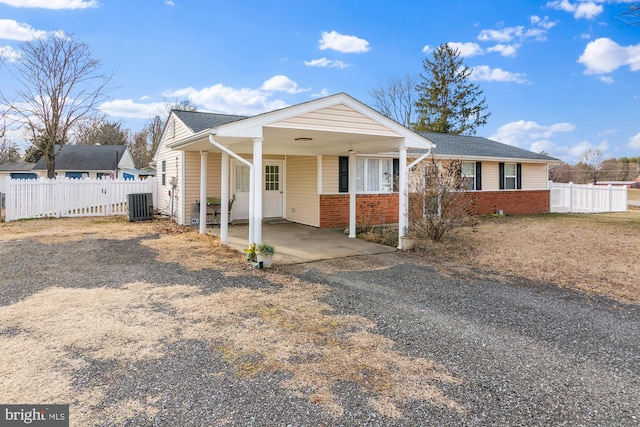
338 118
303 201
534 176
330 174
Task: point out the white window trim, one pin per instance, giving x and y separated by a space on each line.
473 185
381 175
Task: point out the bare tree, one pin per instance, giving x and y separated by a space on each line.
58 84
154 128
440 202
632 15
396 98
592 159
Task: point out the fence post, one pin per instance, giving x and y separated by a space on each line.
571 197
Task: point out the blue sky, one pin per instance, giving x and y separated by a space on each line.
560 76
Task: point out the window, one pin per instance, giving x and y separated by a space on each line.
374 175
171 128
510 176
164 172
272 178
242 178
469 175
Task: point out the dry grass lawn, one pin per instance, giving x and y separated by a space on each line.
285 328
597 253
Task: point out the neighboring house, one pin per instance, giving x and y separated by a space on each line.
329 162
503 177
89 161
15 170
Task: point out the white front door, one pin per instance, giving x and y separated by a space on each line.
272 196
272 190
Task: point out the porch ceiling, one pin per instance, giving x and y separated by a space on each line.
282 141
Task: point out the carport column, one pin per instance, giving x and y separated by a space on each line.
257 191
224 199
203 192
352 194
403 187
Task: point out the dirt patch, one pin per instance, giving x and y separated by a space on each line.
596 254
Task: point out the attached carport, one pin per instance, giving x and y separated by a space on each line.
337 125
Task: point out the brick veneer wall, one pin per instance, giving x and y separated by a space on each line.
517 202
372 209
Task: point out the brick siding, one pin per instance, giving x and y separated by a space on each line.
517 202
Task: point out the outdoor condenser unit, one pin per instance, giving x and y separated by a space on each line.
140 206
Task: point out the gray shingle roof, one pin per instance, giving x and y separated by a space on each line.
198 121
16 166
85 158
474 146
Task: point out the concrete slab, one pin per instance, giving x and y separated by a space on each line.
297 243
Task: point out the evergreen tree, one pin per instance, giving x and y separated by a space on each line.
447 101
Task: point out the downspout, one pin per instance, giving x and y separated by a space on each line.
251 178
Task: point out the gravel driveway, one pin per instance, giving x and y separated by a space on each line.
520 353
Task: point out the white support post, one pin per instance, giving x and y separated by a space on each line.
224 199
352 194
256 212
403 197
203 192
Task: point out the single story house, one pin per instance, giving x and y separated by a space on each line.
323 163
503 177
89 161
15 170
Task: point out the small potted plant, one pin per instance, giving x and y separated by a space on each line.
251 253
407 242
264 255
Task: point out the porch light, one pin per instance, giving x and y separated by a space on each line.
303 138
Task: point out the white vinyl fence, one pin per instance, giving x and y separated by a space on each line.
587 198
68 197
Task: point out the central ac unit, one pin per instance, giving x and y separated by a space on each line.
140 206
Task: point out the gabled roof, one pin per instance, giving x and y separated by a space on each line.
450 145
198 121
86 158
17 166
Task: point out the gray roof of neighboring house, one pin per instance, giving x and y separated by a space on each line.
17 166
85 158
198 121
451 145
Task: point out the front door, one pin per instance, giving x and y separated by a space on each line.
272 190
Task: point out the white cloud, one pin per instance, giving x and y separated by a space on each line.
607 79
324 92
131 109
9 53
145 98
427 49
13 30
52 4
542 22
281 84
466 49
343 43
169 3
576 151
486 73
579 9
603 55
224 99
634 141
503 35
529 134
324 62
505 49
